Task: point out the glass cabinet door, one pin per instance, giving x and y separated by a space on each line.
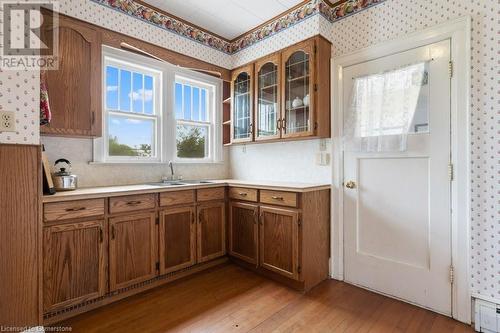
298 97
267 101
242 107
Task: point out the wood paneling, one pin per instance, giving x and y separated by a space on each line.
132 250
243 231
131 203
241 193
279 198
59 211
207 194
177 198
177 239
20 179
315 237
75 87
114 39
279 238
251 303
211 240
73 263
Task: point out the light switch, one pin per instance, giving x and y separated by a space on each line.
322 158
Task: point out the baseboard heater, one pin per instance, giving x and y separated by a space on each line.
487 316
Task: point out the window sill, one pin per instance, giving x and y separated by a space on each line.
153 163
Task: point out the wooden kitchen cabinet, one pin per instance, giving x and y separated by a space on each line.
291 91
211 240
243 231
74 89
242 104
279 241
177 239
132 249
74 263
267 98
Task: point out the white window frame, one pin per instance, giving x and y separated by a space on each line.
167 75
209 123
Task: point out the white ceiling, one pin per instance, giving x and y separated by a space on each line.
226 18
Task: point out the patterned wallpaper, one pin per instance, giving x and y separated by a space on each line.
387 20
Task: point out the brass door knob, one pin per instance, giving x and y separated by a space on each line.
350 184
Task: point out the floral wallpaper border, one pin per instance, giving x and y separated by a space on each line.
309 9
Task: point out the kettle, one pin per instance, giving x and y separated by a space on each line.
63 179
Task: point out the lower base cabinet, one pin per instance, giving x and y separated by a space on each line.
177 244
211 231
132 249
74 263
279 241
243 231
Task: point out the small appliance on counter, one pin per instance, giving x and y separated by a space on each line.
63 179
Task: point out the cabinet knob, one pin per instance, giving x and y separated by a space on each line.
277 198
350 184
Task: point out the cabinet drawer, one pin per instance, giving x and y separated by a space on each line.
132 203
176 198
241 193
278 198
58 211
207 194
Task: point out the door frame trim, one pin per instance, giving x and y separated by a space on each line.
458 31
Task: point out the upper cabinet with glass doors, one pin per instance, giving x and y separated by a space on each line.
291 94
242 105
267 98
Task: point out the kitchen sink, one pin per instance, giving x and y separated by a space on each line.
181 182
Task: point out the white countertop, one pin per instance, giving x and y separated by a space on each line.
111 191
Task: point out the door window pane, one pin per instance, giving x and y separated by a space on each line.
267 107
131 136
241 108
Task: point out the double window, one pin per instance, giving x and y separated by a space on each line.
157 112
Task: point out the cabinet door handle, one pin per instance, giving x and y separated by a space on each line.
192 218
277 198
101 235
134 203
243 194
261 218
200 217
113 231
75 209
278 124
256 217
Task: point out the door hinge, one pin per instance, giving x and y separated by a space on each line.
450 68
451 172
157 266
452 274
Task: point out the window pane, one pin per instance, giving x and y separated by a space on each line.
137 93
203 105
178 101
196 104
131 136
187 102
125 89
192 141
148 94
111 88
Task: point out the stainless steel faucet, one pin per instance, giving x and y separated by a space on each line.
171 165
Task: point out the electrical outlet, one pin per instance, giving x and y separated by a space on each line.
7 121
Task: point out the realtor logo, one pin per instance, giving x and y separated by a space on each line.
30 35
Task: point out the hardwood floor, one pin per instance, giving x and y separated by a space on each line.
228 298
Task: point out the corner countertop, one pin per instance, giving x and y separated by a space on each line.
113 191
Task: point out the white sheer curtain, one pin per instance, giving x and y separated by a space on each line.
382 109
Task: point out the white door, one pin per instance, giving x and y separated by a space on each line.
397 218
